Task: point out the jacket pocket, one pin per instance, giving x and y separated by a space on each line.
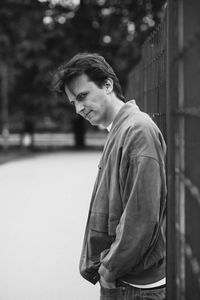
99 222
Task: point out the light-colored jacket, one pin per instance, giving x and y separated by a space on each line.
125 237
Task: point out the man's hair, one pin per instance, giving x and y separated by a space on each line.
93 65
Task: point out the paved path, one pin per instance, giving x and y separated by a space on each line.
43 211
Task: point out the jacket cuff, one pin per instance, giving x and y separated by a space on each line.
93 278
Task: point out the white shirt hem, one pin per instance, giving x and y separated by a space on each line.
148 286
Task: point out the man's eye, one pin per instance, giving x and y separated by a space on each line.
81 97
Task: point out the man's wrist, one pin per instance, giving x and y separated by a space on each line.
106 274
106 284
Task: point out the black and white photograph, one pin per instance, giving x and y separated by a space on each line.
99 150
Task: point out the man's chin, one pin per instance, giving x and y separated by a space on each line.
93 122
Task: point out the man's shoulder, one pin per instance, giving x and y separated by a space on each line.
137 121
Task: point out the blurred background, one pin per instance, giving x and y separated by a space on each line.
36 36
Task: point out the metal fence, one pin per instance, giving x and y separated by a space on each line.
147 81
183 113
166 84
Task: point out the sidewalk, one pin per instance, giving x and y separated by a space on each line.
43 211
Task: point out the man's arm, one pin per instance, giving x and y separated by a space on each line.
134 233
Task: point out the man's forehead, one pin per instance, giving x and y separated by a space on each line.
77 85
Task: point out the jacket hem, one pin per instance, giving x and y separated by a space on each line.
147 277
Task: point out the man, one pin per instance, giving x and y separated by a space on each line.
124 244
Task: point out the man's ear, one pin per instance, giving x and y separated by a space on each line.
109 85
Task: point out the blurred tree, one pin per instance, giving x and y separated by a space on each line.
38 35
24 44
116 29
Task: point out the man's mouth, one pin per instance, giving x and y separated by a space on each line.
88 114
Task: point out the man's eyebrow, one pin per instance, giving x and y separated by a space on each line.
71 92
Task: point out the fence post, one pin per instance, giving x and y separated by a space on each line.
171 104
4 97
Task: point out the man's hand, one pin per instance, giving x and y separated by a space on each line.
106 284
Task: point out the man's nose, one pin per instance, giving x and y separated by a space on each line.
79 107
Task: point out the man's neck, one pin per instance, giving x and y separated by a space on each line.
117 105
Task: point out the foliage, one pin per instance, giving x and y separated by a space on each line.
36 36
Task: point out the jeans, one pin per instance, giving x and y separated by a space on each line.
128 292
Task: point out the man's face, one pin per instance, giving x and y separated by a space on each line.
91 102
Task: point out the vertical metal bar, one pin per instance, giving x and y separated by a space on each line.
147 78
171 105
163 76
157 97
180 162
145 54
151 76
4 96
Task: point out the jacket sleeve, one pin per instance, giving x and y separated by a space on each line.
134 233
